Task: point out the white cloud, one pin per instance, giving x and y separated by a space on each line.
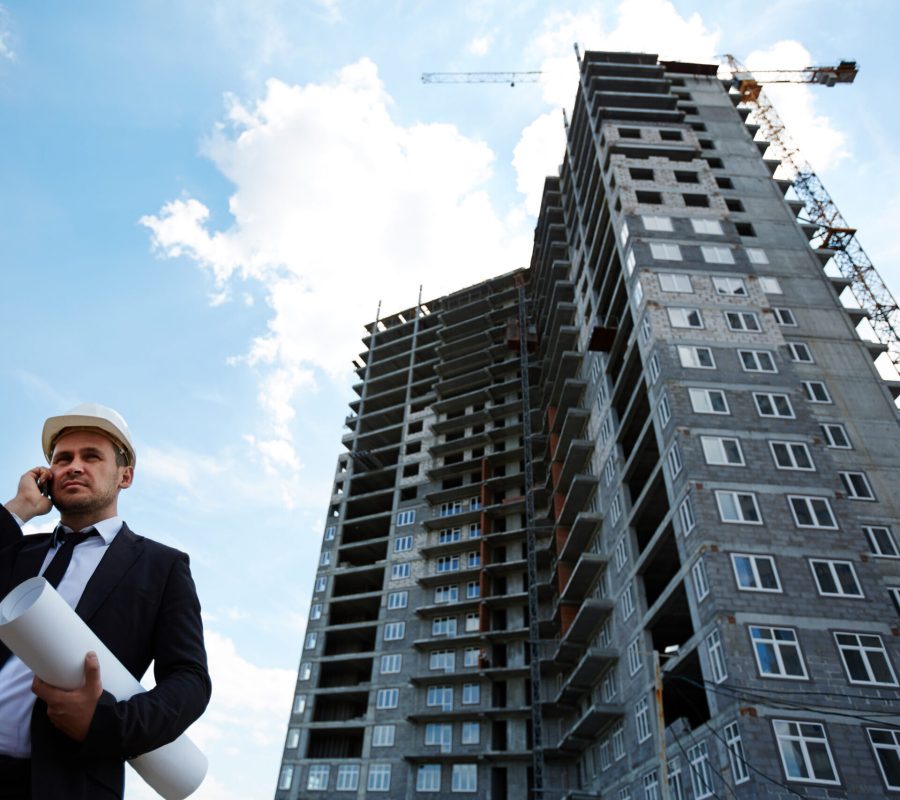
479 46
819 142
6 35
638 25
331 9
336 206
246 719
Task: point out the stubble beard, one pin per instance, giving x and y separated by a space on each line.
85 505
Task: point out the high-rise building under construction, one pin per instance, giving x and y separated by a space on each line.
622 524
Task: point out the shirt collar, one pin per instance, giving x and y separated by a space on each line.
106 528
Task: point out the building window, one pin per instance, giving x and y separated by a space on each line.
473 559
394 631
812 512
894 594
675 282
473 590
769 404
732 287
379 778
447 564
398 599
387 698
738 507
755 573
757 361
321 584
701 779
473 623
805 754
735 747
402 544
330 531
444 660
674 459
446 594
315 611
325 559
440 697
391 663
656 223
449 535
642 719
777 652
886 744
470 657
406 517
286 778
439 734
609 685
816 392
300 704
709 226
881 541
317 779
293 739
618 741
471 694
311 641
663 251
701 579
856 484
471 733
305 671
347 778
836 436
686 514
634 656
383 736
865 659
653 369
768 284
628 600
708 401
694 357
791 455
713 254
835 578
676 784
800 353
722 450
685 318
630 261
464 778
784 317
443 626
623 233
650 783
428 778
665 410
745 321
399 571
621 554
716 656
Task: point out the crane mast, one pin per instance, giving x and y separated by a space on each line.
834 232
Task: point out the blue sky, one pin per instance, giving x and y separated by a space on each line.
202 203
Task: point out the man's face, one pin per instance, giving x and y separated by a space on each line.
86 478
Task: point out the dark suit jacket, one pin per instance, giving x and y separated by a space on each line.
141 602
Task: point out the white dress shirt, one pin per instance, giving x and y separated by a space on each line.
16 697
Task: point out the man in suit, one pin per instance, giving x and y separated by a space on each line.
138 597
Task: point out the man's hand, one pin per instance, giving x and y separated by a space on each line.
72 711
29 502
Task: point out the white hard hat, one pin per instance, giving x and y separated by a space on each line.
90 415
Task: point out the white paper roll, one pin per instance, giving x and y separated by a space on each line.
51 640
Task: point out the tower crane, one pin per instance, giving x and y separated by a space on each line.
834 233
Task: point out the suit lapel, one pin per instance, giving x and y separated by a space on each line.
125 549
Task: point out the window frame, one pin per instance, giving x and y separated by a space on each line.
757 357
827 434
747 320
875 547
771 397
719 493
677 285
895 735
838 583
680 318
665 251
722 458
694 349
808 501
757 576
864 659
775 647
729 286
852 481
789 449
698 392
807 761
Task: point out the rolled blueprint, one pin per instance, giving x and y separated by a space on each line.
51 640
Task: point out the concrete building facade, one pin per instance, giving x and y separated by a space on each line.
662 443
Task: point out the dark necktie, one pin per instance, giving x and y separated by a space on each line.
60 563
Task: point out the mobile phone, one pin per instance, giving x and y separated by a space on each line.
46 488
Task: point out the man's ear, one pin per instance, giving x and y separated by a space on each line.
127 477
